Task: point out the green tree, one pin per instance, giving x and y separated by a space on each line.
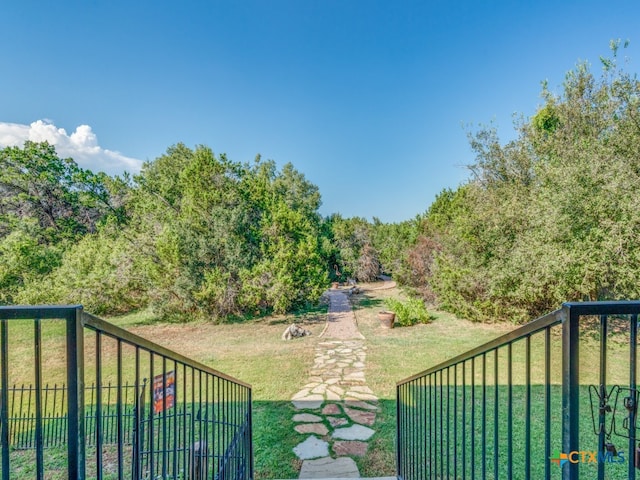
46 205
549 216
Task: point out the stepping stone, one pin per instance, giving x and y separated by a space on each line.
363 396
317 428
358 416
306 417
336 389
331 409
343 467
301 394
360 404
312 447
319 389
306 404
332 396
344 448
362 389
337 421
354 432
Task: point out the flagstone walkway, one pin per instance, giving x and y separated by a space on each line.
336 408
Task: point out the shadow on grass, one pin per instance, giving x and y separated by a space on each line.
365 301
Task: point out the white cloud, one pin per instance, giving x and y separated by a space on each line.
82 145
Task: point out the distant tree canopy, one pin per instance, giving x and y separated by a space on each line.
551 216
194 235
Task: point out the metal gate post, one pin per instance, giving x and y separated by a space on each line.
75 382
570 389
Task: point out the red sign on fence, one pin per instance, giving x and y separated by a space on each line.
164 391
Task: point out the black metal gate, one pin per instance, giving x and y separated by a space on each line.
150 413
556 398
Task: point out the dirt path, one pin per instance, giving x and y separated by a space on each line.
336 408
341 322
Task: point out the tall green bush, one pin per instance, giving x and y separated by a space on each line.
409 312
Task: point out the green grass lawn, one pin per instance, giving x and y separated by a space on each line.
254 352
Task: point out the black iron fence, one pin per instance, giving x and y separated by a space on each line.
556 398
22 414
149 413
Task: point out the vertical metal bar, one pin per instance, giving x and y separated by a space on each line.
510 411
165 445
185 449
193 416
119 412
527 414
547 402
4 397
496 454
417 392
448 422
249 409
152 408
441 431
455 421
432 450
422 392
219 414
633 412
98 406
419 409
570 389
206 425
75 382
175 417
484 416
137 437
464 420
45 415
473 418
37 333
399 442
603 393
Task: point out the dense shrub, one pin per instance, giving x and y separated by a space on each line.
409 312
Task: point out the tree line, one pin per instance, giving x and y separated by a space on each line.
548 217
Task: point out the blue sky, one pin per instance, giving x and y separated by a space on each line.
371 100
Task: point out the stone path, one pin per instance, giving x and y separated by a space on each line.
336 408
